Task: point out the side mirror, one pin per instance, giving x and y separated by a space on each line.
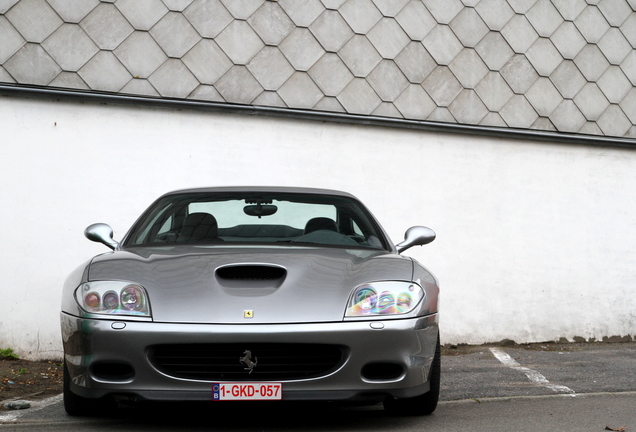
416 236
101 233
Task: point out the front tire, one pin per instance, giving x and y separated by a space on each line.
75 405
423 404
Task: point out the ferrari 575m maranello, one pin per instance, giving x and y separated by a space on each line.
252 293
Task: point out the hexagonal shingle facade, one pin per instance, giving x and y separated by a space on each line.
535 64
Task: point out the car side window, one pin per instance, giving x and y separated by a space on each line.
356 229
167 226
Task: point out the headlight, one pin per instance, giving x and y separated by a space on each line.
113 298
384 298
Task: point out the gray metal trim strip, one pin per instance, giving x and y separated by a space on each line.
496 132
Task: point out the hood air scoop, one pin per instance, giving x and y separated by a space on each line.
251 272
250 279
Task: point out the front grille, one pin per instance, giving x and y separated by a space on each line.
222 362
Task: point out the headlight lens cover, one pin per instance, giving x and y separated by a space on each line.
383 299
113 298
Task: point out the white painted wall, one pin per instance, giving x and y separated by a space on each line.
535 241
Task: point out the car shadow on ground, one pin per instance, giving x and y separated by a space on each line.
237 416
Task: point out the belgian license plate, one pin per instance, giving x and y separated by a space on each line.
247 391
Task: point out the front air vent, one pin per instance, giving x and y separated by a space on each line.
113 372
251 273
382 371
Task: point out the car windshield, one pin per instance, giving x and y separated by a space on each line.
257 218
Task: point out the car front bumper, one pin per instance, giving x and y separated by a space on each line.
407 343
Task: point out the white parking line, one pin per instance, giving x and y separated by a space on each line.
532 375
13 416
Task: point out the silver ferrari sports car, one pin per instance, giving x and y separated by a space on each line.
252 293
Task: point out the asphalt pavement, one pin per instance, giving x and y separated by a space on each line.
578 387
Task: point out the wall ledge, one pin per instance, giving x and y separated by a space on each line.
312 115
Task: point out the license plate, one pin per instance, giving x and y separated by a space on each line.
247 391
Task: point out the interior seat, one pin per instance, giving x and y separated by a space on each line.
199 227
320 223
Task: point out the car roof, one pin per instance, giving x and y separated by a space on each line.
274 189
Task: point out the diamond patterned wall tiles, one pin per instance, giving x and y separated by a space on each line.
469 27
592 24
494 50
567 79
106 26
5 5
614 84
5 77
568 40
519 34
629 67
242 9
629 105
442 86
208 62
388 38
270 68
330 74
331 30
173 79
518 112
544 17
73 11
468 107
140 54
416 20
569 9
614 46
390 8
361 15
615 11
444 10
387 80
70 46
521 6
142 14
614 121
543 96
442 43
105 72
591 62
269 99
11 42
304 12
415 62
415 103
299 91
358 97
210 17
177 5
32 65
495 13
557 65
34 19
519 74
175 35
69 80
629 29
591 101
301 49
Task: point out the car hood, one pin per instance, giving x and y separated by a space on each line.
184 286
